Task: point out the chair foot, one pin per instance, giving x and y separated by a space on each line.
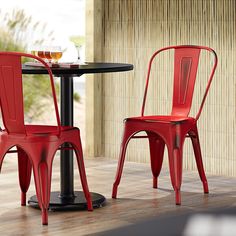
89 205
155 182
23 199
114 191
205 187
177 197
44 217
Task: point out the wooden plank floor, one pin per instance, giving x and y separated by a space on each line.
137 200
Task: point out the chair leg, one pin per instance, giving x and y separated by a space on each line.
178 174
175 163
42 176
80 161
3 150
198 158
123 147
25 167
157 147
2 155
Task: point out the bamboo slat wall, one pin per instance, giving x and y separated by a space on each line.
94 39
133 30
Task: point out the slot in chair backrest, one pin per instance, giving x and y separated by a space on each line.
186 60
11 91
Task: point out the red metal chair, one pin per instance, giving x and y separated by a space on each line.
36 144
171 130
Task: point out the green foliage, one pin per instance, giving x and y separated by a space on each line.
37 95
16 30
7 44
19 29
76 97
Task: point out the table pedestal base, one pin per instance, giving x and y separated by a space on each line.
67 204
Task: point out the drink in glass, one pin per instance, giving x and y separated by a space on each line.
56 54
34 52
41 54
48 55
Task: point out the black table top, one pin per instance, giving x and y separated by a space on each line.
88 68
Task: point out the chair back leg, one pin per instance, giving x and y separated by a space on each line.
25 169
42 158
157 147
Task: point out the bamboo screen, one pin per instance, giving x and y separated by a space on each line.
133 30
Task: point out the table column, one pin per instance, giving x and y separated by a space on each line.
67 168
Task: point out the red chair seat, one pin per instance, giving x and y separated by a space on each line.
163 119
39 133
46 129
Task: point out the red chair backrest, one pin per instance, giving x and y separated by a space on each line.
11 91
186 60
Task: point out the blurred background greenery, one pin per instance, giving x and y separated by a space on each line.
17 29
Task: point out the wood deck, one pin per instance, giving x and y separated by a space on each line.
136 199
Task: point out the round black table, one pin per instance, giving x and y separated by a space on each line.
67 198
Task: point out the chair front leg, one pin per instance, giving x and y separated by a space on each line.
125 140
198 157
42 176
83 178
175 151
42 158
175 164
